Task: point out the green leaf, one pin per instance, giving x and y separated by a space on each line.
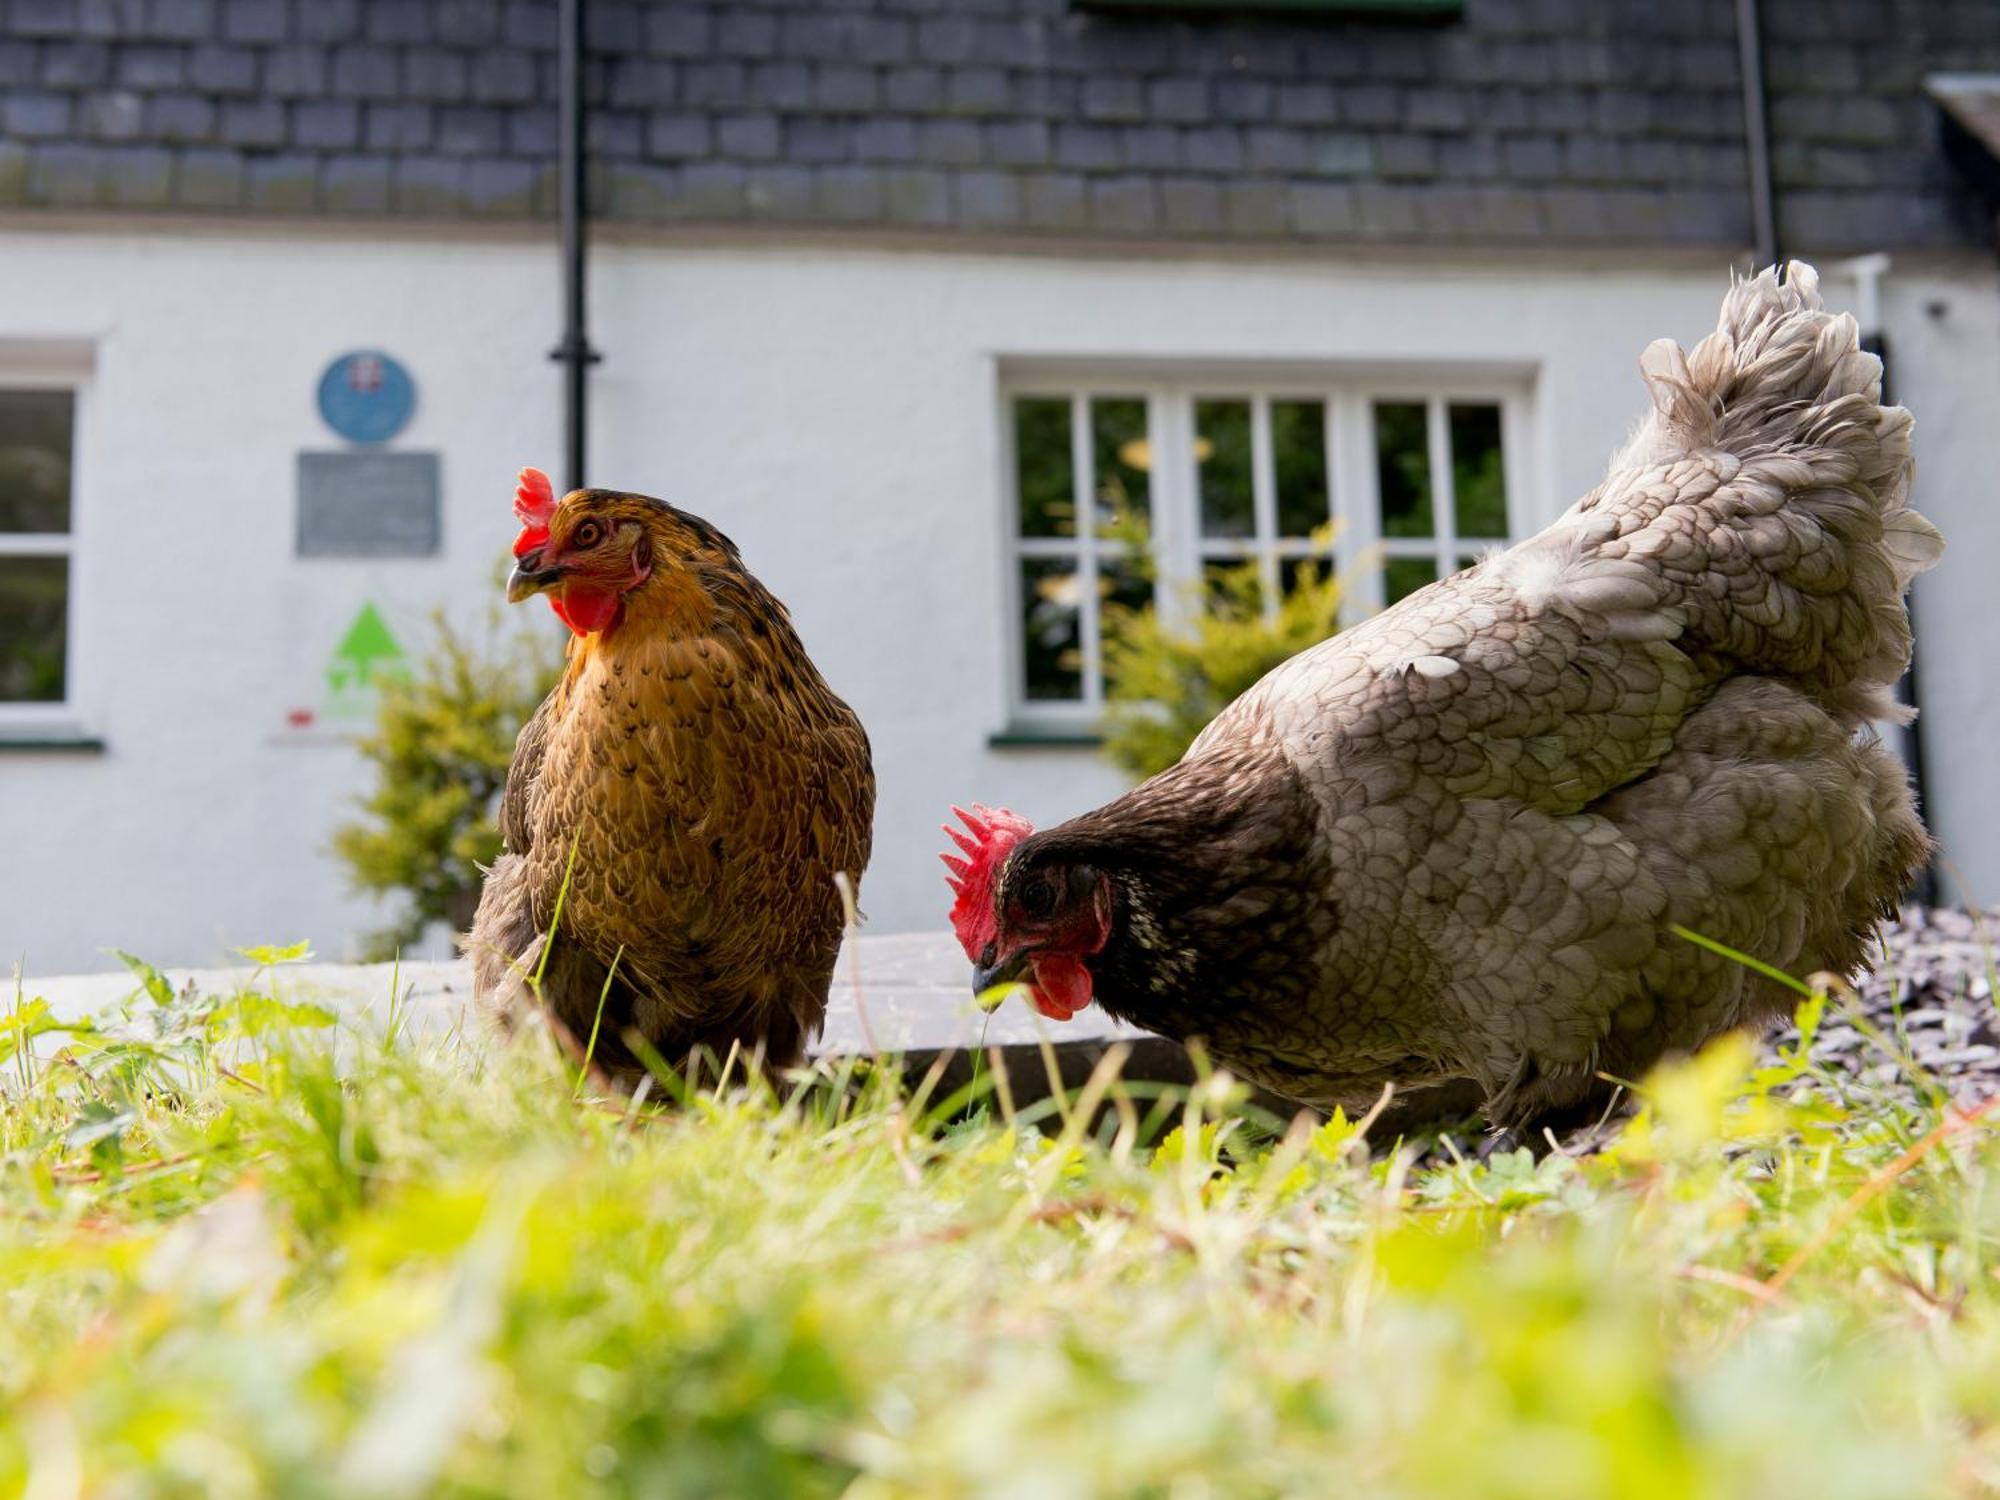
266 955
99 1121
250 1014
151 979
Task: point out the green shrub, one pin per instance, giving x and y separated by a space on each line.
443 739
1164 682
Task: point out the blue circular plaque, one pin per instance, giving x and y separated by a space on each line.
366 396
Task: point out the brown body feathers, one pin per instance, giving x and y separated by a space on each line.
697 785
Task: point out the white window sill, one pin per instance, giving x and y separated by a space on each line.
47 737
1017 735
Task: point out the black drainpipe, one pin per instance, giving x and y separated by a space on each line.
1764 229
574 353
1757 134
1924 889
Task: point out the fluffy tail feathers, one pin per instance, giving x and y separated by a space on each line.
1760 515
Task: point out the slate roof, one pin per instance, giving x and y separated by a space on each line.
1521 121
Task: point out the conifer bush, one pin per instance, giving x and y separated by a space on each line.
443 738
1166 679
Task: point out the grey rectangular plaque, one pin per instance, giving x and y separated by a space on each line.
368 505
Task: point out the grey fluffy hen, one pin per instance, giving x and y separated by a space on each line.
1447 849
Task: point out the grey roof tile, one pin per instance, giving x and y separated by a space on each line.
1019 143
151 66
252 122
116 115
778 192
1192 206
1126 205
13 171
977 91
681 31
678 137
294 72
1150 148
67 175
326 20
31 115
456 23
181 119
501 187
361 72
1213 148
782 85
436 76
748 137
888 138
282 183
990 200
958 143
137 176
356 184
503 77
64 64
328 124
1324 210
52 18
209 177
845 89
1056 200
849 194
1256 208
222 70
741 32
913 88
404 20
713 191
413 129
918 195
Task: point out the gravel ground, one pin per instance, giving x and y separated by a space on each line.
1930 997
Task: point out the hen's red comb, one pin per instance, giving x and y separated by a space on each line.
534 503
993 833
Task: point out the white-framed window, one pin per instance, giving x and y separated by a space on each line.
1413 477
38 424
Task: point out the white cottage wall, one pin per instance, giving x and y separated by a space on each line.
833 409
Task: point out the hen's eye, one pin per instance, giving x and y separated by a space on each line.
586 535
1039 899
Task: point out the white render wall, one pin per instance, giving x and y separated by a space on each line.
832 409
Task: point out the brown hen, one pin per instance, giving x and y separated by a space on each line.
688 793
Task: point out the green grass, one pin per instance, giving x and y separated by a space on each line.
233 1268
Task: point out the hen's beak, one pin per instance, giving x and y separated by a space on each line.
530 578
995 974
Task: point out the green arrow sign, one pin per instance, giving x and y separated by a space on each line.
366 654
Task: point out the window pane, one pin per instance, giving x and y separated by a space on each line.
1479 487
1298 453
34 460
1042 467
1052 646
1289 569
1233 587
1123 457
1121 586
1402 459
34 621
1222 456
1403 576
